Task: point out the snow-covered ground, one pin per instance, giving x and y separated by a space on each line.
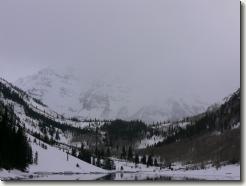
52 161
179 172
124 171
54 165
228 172
65 177
18 175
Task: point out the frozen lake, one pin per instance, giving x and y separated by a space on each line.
108 177
142 177
228 172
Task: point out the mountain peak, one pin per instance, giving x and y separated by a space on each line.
105 96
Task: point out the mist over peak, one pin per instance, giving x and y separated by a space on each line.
107 96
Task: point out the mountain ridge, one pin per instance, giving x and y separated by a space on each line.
105 98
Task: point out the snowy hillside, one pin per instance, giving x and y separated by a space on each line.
53 160
35 117
38 119
103 97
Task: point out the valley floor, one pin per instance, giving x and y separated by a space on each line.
55 164
179 172
227 172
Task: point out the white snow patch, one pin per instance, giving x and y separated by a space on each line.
151 141
54 160
236 126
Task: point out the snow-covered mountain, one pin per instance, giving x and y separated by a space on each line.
103 97
36 119
50 134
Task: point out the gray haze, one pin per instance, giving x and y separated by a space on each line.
175 46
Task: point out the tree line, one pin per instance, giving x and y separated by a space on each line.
15 151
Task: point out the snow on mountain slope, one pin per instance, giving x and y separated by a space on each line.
35 117
53 160
103 97
54 89
151 141
104 101
52 164
171 109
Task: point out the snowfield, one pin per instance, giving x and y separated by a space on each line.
179 172
228 172
58 168
54 160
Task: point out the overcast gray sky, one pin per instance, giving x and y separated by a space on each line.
189 45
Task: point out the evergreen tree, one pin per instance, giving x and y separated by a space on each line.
84 154
129 156
136 159
108 154
98 163
57 135
150 161
155 162
108 164
143 160
123 154
102 154
36 158
74 152
15 151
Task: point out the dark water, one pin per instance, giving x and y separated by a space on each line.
142 177
119 176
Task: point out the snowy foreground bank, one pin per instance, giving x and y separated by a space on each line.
179 172
228 172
